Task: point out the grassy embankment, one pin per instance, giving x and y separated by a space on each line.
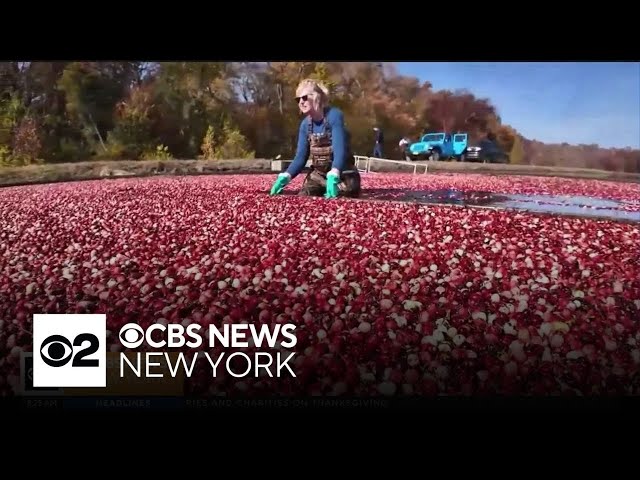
52 173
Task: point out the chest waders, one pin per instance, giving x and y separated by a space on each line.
321 155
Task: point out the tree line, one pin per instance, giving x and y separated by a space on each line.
75 111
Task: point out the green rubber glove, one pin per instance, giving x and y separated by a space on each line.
281 182
333 179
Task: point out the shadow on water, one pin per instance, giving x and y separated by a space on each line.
550 204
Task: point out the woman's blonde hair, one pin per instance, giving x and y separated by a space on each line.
319 92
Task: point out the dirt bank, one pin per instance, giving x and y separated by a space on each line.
506 169
63 172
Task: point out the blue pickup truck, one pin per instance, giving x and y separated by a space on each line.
438 146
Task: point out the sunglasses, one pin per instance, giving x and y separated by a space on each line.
304 98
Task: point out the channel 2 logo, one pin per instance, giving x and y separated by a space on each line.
69 350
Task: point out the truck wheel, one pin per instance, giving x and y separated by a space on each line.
435 156
461 157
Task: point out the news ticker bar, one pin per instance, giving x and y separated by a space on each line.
629 406
185 403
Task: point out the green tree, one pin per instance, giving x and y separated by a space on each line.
11 111
91 95
190 96
133 131
229 143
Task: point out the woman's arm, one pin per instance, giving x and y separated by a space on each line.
338 138
302 152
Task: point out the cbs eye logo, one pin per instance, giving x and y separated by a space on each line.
131 335
69 350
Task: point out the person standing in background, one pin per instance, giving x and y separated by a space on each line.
377 149
404 148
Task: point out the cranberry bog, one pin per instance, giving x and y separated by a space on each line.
460 284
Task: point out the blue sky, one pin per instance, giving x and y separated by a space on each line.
550 102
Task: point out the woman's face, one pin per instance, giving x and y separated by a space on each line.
305 101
